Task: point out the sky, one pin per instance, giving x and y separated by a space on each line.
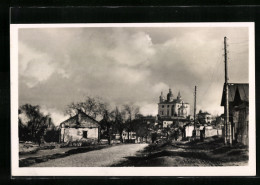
122 65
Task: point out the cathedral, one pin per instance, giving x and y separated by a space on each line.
170 107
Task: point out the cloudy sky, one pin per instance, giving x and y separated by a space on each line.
58 66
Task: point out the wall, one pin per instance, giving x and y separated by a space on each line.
240 119
132 135
209 132
73 134
213 132
188 131
165 109
173 109
166 123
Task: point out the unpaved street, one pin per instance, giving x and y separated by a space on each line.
97 158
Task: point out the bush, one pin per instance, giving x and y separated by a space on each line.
27 148
52 136
80 142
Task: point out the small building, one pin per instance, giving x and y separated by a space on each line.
175 122
131 137
204 117
238 97
79 127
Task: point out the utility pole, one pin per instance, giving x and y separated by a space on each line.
195 91
226 94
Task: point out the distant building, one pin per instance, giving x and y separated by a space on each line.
238 97
220 121
204 117
147 119
171 107
131 137
81 126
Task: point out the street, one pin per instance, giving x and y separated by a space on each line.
98 158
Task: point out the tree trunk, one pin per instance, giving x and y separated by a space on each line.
108 135
128 135
121 138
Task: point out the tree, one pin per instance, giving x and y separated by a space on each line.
107 124
93 107
37 123
120 117
167 131
141 128
131 113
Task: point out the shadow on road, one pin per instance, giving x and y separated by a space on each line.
212 152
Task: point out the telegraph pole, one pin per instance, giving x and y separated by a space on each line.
195 91
226 94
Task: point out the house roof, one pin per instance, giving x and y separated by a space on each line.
242 88
80 120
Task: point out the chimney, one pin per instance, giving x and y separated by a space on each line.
79 115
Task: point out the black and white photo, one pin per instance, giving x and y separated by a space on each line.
129 99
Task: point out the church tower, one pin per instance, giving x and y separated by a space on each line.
161 98
179 96
170 96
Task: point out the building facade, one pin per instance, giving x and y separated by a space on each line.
79 127
171 107
204 117
238 98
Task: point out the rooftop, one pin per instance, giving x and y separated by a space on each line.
81 120
241 88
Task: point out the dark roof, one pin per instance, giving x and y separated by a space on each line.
233 88
81 120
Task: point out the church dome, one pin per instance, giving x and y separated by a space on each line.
161 98
179 96
170 96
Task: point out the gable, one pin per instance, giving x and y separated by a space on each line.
242 91
81 120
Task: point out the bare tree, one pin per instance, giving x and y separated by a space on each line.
107 123
120 121
132 112
93 107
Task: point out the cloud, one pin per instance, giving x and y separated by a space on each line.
24 118
160 87
148 108
56 115
58 66
132 50
36 66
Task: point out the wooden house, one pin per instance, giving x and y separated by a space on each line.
79 127
238 97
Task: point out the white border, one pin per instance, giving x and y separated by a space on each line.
249 170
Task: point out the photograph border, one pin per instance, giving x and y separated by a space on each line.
249 170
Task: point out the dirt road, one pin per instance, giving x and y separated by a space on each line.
98 158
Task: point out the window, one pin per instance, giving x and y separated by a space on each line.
167 112
162 106
162 112
85 134
168 106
